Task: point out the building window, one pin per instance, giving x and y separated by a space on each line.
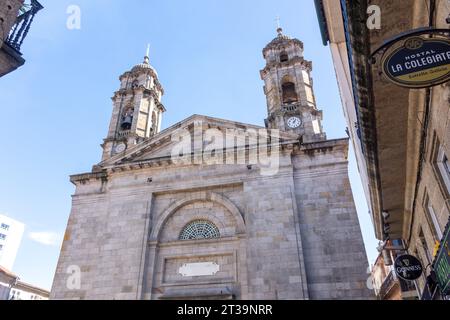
289 92
423 244
199 229
443 165
4 226
432 218
15 295
2 236
284 57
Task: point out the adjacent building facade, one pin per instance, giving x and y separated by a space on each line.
387 285
12 288
11 232
401 136
25 291
7 280
16 17
216 209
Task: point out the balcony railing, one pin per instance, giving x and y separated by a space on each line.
387 285
407 286
123 134
389 282
23 23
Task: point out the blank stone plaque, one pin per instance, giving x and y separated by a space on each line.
198 269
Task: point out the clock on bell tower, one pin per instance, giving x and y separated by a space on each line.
288 86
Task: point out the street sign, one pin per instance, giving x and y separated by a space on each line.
408 267
418 62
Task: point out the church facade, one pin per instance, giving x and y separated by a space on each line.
216 209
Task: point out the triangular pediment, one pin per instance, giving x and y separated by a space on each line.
161 146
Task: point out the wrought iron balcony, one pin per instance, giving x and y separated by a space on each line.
407 286
392 280
23 23
123 134
387 285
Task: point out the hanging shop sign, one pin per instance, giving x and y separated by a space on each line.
441 264
408 267
418 62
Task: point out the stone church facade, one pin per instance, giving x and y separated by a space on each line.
156 219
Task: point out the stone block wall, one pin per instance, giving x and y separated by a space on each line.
8 13
104 239
274 262
334 254
294 235
432 206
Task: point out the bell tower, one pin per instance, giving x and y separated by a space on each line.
288 86
137 109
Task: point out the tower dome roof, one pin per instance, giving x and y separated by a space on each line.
281 40
281 37
145 65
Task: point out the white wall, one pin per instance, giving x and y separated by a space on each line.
10 245
4 291
17 294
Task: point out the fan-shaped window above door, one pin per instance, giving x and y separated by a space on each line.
199 229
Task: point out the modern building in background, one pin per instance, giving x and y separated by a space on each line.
11 232
16 17
7 281
25 291
12 288
147 225
401 135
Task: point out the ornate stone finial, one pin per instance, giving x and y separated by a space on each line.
147 54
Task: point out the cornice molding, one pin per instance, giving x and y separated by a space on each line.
281 42
138 71
305 64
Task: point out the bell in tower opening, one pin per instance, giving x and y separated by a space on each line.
288 87
289 93
138 97
127 120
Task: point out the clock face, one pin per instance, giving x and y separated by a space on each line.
120 147
294 122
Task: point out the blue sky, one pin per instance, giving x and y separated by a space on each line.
57 106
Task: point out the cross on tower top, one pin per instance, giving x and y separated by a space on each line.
147 54
279 29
